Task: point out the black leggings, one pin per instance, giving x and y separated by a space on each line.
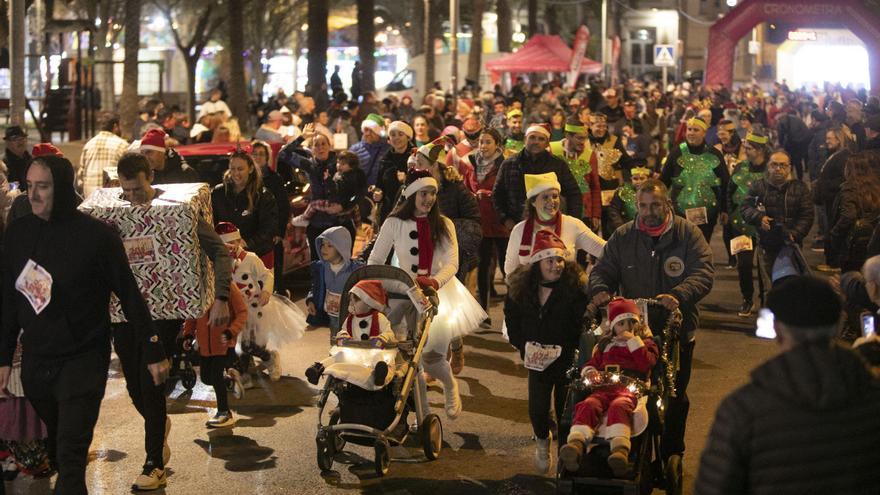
212 372
485 274
543 387
744 269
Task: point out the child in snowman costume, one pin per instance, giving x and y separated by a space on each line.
628 348
273 320
365 322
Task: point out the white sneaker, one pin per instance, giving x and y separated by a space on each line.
237 387
453 401
166 449
274 367
151 479
542 455
221 420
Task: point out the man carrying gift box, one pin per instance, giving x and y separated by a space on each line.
60 267
134 178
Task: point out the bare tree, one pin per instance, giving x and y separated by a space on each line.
128 103
533 17
237 94
505 26
200 21
318 42
270 25
106 33
475 56
429 46
366 12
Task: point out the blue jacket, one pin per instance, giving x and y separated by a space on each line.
324 279
369 155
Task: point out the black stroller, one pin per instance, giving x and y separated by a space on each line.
647 467
379 418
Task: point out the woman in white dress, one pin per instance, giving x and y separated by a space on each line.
543 204
425 246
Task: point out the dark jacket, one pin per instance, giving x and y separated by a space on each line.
852 226
257 227
460 206
852 286
176 171
789 206
389 165
830 179
17 168
509 193
369 155
273 183
558 322
679 262
87 262
806 423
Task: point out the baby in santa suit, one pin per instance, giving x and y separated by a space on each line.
365 322
628 348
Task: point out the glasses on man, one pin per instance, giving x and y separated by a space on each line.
779 165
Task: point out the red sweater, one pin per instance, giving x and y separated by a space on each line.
635 355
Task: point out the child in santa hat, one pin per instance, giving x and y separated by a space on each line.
626 347
273 320
543 314
365 322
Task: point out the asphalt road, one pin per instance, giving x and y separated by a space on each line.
487 450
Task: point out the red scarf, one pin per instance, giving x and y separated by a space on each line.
426 246
525 242
374 325
655 231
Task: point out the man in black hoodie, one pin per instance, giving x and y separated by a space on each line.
60 266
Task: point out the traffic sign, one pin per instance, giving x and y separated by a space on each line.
664 55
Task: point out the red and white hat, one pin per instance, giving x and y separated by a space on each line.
153 140
228 232
622 309
45 149
417 179
546 245
372 293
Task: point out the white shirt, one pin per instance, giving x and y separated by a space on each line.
573 233
402 235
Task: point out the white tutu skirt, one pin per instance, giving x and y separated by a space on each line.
458 315
274 325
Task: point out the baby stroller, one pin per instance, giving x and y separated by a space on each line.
647 467
379 418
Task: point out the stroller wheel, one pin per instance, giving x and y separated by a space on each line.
337 441
432 436
674 475
188 376
382 458
325 451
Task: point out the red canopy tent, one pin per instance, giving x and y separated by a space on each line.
542 53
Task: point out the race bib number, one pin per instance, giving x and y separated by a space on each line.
607 196
539 356
697 216
331 303
740 244
35 284
340 141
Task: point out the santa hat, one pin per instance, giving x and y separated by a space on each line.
374 122
399 125
471 126
417 179
542 129
153 140
228 232
622 309
538 183
372 293
547 245
45 149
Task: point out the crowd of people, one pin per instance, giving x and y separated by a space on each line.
577 197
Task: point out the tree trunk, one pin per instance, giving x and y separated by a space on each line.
533 18
366 12
105 77
417 28
128 104
505 26
191 63
238 98
475 56
429 47
318 42
551 19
